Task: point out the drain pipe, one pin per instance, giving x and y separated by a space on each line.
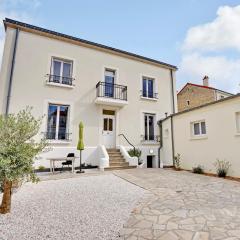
11 72
172 137
160 142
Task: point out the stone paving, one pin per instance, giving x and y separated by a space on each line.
183 206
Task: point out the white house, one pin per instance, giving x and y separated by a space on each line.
203 134
69 80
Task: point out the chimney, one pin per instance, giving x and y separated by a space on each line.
206 81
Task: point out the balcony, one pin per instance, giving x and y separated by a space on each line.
111 94
60 80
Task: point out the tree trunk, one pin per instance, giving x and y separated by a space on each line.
7 194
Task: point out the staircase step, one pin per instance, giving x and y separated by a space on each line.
118 168
117 164
115 154
113 150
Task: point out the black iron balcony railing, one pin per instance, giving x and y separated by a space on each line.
109 90
151 138
60 79
149 94
52 135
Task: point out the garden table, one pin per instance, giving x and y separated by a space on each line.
60 159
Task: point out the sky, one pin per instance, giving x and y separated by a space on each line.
200 37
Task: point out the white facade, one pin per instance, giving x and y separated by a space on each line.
88 64
216 136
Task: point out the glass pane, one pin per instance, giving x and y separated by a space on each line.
203 127
109 87
151 127
105 124
144 88
56 71
150 88
51 124
63 117
110 124
146 127
196 129
66 73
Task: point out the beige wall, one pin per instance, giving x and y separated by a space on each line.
222 140
33 59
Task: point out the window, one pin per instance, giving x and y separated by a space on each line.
149 120
57 122
61 71
199 128
109 78
188 102
238 122
148 87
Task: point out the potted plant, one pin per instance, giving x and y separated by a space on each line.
222 167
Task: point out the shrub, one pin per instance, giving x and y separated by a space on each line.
41 168
177 162
198 169
137 153
222 167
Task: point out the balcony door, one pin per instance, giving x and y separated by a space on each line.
109 78
109 129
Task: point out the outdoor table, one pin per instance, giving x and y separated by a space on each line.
60 159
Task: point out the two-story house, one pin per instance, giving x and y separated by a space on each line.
68 80
194 95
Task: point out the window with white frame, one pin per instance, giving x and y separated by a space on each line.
199 128
61 71
238 122
149 123
148 87
57 122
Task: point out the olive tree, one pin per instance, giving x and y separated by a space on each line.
17 151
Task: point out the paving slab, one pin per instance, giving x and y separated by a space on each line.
181 205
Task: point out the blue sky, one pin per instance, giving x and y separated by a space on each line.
201 37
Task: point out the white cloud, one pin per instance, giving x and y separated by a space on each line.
218 37
223 32
15 9
223 73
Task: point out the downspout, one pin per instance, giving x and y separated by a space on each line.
11 72
172 136
173 94
160 143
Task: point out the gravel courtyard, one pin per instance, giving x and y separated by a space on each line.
183 206
87 207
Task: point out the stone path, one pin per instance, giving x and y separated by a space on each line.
183 206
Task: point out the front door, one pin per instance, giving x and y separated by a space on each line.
109 131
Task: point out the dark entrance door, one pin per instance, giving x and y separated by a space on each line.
149 161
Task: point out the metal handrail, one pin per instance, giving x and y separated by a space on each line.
110 90
134 148
59 79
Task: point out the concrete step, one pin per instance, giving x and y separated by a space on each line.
113 150
117 161
114 154
118 168
117 164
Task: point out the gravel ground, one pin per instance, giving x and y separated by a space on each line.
93 207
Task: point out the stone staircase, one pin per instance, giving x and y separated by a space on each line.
117 161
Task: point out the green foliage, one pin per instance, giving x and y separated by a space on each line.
18 147
41 168
222 167
199 169
137 153
177 162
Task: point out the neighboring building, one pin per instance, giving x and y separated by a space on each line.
204 134
69 80
193 95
